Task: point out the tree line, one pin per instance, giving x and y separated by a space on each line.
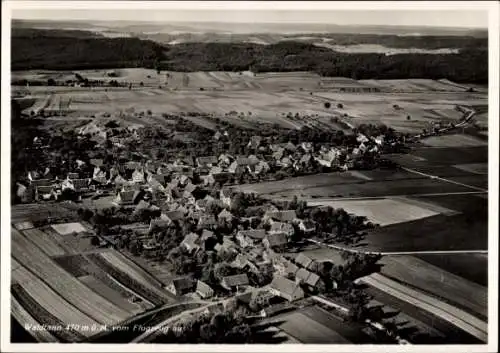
63 52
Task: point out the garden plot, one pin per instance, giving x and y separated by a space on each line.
384 211
456 140
44 241
69 228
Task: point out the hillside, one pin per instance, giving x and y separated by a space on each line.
57 52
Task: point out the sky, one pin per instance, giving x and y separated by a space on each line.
435 18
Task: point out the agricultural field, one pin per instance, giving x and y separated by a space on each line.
461 319
437 282
476 168
264 97
383 211
455 140
472 267
451 333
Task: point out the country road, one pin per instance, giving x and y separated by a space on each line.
398 253
435 177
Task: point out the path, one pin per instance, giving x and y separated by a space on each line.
435 177
397 253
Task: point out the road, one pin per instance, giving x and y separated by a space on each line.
435 177
397 253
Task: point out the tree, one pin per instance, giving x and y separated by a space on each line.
340 105
141 84
408 117
327 105
94 241
51 82
222 270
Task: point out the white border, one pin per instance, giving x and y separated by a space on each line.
491 7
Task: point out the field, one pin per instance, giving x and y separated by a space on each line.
455 140
472 267
431 279
476 168
382 211
454 315
265 97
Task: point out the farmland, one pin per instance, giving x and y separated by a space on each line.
435 281
461 319
267 96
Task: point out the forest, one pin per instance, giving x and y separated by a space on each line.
62 52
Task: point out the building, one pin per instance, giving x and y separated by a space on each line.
209 161
276 240
235 282
138 176
307 226
303 261
286 289
225 216
311 280
190 242
226 196
249 238
282 228
280 216
207 222
204 290
181 286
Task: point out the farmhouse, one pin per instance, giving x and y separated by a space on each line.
284 267
181 286
286 289
204 290
225 216
235 282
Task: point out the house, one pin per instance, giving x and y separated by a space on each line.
307 147
362 138
284 162
138 176
290 147
99 175
279 153
131 165
207 222
237 167
255 142
225 216
311 280
286 289
209 161
96 162
181 286
280 216
276 240
217 136
241 261
303 162
142 205
234 282
307 226
162 222
127 197
45 193
25 194
157 178
174 215
208 239
303 261
227 245
261 168
285 267
72 176
248 238
192 189
280 227
204 290
225 159
119 180
226 196
190 242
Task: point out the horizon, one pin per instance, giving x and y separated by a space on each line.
460 19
